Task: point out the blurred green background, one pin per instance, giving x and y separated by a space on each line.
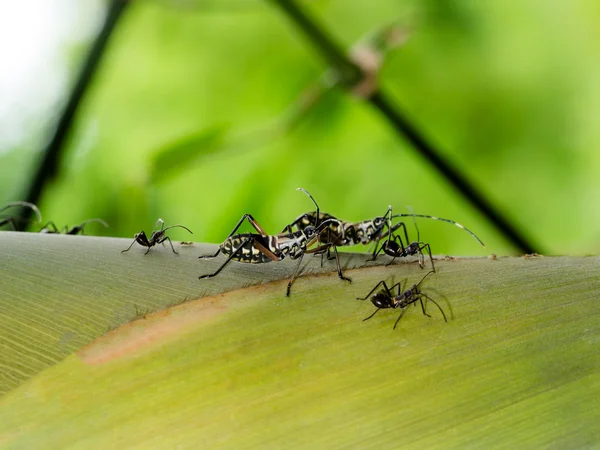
510 91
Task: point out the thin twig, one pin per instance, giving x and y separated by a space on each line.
351 74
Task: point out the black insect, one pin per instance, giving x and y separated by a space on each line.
258 248
157 237
51 228
385 298
342 233
396 248
11 220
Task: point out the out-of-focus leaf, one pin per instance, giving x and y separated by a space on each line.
178 156
516 366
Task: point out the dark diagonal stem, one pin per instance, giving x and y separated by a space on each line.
50 157
351 74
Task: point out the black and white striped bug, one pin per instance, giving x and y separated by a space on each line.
339 232
385 298
259 248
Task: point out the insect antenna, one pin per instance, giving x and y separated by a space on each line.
178 226
100 221
431 271
27 205
443 220
315 203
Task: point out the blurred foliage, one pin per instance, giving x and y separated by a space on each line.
509 91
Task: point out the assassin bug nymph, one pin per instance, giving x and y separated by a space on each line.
157 237
10 220
341 233
51 228
394 247
385 298
258 248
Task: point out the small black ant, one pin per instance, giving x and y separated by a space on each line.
385 298
394 246
157 237
51 228
10 220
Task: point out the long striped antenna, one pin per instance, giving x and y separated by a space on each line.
100 221
443 220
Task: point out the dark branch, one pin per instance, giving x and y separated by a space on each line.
50 157
350 74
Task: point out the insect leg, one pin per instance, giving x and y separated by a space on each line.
436 304
339 268
337 259
233 255
376 250
422 305
128 248
48 225
252 221
272 256
294 275
374 289
367 318
167 238
426 246
10 221
399 317
210 256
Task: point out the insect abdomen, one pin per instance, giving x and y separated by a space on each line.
248 253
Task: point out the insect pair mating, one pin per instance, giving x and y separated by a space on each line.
296 239
386 299
258 248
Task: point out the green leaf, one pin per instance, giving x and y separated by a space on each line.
178 156
517 365
58 292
